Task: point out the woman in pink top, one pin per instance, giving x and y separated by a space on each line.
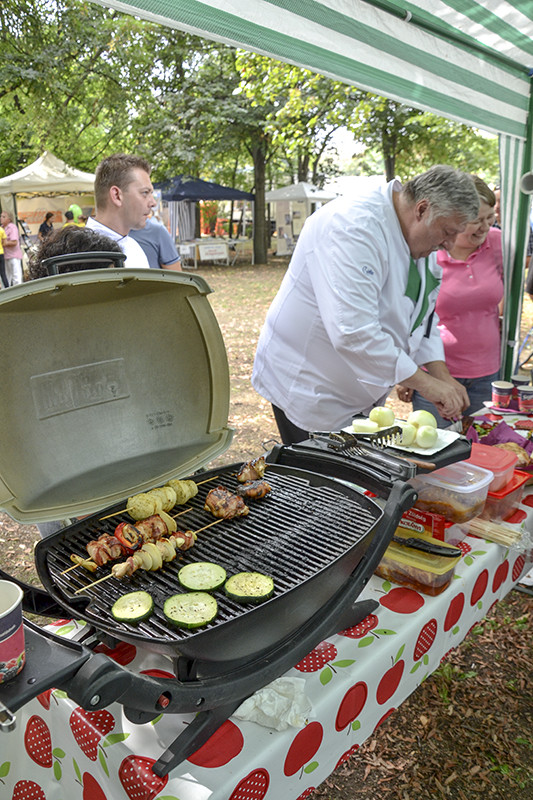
468 307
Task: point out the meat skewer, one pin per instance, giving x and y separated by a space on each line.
224 504
127 538
152 559
252 470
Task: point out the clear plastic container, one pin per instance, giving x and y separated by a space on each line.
457 492
500 504
420 571
500 462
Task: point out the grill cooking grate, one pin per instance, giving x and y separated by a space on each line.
305 524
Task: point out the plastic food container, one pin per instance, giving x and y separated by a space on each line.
420 571
500 462
457 491
500 504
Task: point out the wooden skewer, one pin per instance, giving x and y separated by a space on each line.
493 532
106 577
185 510
90 585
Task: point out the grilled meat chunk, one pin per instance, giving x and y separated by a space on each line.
105 548
254 490
224 504
252 470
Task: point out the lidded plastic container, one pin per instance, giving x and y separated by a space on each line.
423 572
500 505
457 492
500 462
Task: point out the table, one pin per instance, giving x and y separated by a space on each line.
354 681
204 250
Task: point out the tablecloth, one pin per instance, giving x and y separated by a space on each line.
354 681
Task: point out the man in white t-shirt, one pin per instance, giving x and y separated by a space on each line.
124 198
355 311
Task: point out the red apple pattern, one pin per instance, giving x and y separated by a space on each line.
347 755
518 568
91 788
123 653
38 741
500 576
304 746
351 705
27 790
479 587
455 609
253 787
138 780
426 637
88 728
390 682
317 658
360 630
226 743
402 600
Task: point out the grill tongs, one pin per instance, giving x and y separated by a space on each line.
370 446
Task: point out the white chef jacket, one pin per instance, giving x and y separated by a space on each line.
135 255
338 335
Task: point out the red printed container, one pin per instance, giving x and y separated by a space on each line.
500 505
12 652
525 399
500 462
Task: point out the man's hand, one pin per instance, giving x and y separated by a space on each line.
404 393
448 395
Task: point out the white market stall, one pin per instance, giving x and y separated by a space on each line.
293 204
470 62
47 184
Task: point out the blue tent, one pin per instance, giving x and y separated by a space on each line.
186 188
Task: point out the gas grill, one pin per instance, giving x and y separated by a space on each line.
101 400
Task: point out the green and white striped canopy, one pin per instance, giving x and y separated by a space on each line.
465 60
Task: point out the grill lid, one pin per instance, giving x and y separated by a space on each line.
114 381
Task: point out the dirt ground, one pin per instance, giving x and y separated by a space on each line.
467 732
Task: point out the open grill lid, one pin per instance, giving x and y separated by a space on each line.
114 381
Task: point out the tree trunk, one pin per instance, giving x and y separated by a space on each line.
260 228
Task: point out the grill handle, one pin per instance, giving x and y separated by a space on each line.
312 456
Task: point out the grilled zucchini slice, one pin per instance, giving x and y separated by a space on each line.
202 576
190 610
249 587
133 607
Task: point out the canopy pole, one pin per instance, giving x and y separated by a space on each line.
512 329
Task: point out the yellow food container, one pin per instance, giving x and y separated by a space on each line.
424 572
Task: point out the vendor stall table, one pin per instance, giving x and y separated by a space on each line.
352 682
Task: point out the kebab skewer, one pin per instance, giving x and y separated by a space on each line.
174 492
126 539
152 555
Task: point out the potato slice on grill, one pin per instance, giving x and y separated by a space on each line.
143 505
185 490
167 496
157 559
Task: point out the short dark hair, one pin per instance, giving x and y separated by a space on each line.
70 240
48 215
116 170
69 215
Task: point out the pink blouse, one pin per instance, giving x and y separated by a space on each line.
467 307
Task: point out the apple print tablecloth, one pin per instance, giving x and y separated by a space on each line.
354 680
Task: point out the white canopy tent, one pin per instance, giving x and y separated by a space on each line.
292 205
468 61
46 176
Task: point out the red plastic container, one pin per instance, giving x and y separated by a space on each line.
500 505
500 462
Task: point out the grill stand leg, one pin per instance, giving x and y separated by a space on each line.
203 726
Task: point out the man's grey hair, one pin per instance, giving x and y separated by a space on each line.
448 191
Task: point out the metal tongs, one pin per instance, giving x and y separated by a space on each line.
344 440
381 438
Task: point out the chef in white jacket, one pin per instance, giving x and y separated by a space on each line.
355 312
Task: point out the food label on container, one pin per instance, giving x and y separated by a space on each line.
424 522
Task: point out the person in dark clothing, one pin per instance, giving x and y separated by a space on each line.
46 227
